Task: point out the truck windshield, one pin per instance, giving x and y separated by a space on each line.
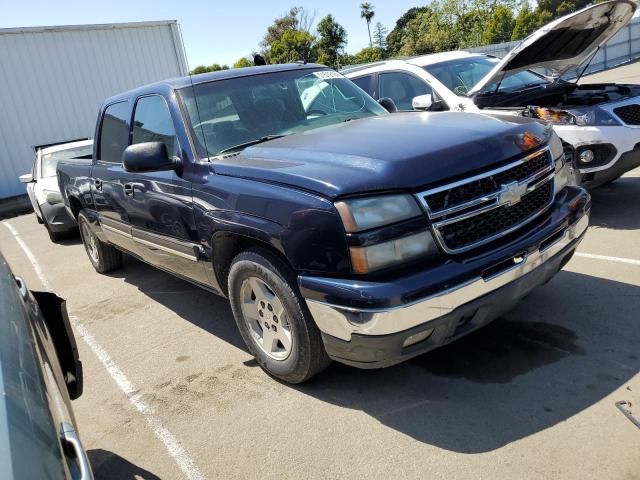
224 114
50 160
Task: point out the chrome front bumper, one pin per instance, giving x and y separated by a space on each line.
341 322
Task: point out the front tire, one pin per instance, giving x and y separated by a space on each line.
273 320
103 256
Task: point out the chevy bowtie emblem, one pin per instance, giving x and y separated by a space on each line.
511 193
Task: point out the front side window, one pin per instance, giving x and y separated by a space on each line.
50 160
229 113
152 123
364 83
402 88
114 132
461 75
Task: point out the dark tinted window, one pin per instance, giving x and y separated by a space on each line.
152 123
364 83
114 134
401 88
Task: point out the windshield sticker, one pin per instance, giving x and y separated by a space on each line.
327 74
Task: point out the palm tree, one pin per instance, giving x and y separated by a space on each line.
366 12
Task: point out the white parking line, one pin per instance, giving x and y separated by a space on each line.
170 442
629 261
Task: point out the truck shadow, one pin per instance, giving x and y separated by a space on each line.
563 349
615 205
108 465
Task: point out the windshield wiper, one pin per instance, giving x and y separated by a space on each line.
256 141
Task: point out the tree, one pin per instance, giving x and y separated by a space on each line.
396 37
243 62
333 38
367 12
297 18
525 23
367 55
212 68
499 27
292 46
380 36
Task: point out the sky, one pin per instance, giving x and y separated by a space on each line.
214 31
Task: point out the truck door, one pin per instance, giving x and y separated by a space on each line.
109 177
160 204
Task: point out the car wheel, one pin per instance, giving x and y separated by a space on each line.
273 319
103 256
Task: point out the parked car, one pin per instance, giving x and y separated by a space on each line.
42 185
337 230
40 373
599 123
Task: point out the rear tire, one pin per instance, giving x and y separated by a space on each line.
273 319
102 256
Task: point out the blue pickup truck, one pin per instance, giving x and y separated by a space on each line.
337 230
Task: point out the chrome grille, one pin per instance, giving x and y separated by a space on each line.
629 114
480 209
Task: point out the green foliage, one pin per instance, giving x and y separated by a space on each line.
333 39
367 55
380 36
292 46
243 62
211 68
500 26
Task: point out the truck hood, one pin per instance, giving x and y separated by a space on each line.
403 151
565 43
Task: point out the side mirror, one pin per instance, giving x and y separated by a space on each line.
26 178
147 157
422 102
388 104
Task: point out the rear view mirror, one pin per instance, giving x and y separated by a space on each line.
147 157
26 178
422 102
388 104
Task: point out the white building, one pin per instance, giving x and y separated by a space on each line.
54 79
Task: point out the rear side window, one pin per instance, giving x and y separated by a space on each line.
152 123
364 83
114 133
401 88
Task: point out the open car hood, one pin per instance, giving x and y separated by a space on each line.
565 43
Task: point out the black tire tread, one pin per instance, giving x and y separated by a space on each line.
109 257
318 359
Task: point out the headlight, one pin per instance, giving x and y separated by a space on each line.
360 214
400 250
593 116
52 197
555 146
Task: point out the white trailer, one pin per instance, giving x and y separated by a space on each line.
54 79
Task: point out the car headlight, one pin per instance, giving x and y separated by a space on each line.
360 214
592 117
394 252
52 197
555 146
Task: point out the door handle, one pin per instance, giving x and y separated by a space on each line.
97 183
130 188
72 441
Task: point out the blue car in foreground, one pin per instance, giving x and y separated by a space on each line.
40 373
337 229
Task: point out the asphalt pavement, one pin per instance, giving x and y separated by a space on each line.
171 392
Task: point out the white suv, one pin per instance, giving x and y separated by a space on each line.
598 123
